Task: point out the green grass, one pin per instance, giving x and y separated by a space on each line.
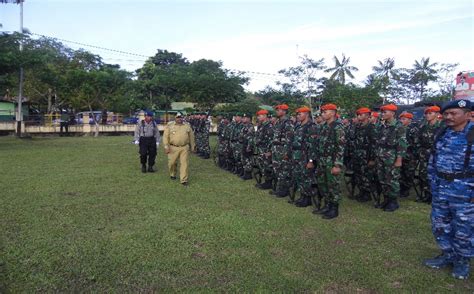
78 215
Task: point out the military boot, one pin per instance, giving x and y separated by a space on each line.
206 156
391 206
143 168
322 210
384 203
404 191
306 201
246 176
364 196
461 268
440 261
150 169
265 185
427 198
333 211
282 193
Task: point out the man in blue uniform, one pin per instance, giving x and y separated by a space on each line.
451 176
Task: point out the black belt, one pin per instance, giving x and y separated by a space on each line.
177 145
452 176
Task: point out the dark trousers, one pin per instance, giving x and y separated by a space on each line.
147 150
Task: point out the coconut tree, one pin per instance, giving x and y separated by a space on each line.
341 69
422 73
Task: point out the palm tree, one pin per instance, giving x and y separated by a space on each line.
341 69
385 71
422 73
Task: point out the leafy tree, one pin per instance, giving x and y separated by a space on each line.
422 73
341 69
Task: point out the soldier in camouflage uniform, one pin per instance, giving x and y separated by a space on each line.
329 154
390 149
263 145
281 151
363 142
204 129
222 142
236 146
227 149
304 137
451 175
428 129
246 138
407 173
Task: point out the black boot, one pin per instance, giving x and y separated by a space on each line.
384 203
150 169
322 210
206 156
333 212
281 193
246 176
305 202
404 192
391 206
143 168
266 185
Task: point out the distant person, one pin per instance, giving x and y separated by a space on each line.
104 117
178 141
64 124
147 136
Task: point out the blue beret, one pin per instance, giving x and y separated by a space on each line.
457 104
148 113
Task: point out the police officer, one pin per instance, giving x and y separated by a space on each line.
451 176
147 136
178 141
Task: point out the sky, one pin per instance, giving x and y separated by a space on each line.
261 37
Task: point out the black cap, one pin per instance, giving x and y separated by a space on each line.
463 104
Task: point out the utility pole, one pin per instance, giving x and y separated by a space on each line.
19 119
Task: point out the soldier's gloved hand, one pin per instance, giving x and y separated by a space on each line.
136 142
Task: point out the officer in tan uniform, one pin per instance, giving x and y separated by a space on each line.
178 141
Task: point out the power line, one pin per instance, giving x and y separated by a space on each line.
141 55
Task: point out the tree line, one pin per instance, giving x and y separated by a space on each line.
58 77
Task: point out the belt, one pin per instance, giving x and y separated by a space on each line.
177 145
452 176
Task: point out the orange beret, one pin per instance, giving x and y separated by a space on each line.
282 106
374 114
406 115
391 107
303 109
432 109
362 110
329 106
262 112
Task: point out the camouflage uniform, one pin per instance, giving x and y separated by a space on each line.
227 147
451 175
426 141
304 136
281 155
222 143
390 143
263 144
407 173
246 138
236 147
329 152
363 153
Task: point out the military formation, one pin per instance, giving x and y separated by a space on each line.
377 156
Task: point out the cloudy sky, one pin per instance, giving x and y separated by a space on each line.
259 36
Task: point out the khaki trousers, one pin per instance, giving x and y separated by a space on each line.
181 154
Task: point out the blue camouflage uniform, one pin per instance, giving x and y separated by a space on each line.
452 185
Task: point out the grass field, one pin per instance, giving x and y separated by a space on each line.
78 215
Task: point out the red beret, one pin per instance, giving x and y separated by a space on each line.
362 110
303 109
391 107
406 115
262 112
432 109
374 114
282 106
329 106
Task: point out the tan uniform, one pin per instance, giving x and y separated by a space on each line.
179 140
